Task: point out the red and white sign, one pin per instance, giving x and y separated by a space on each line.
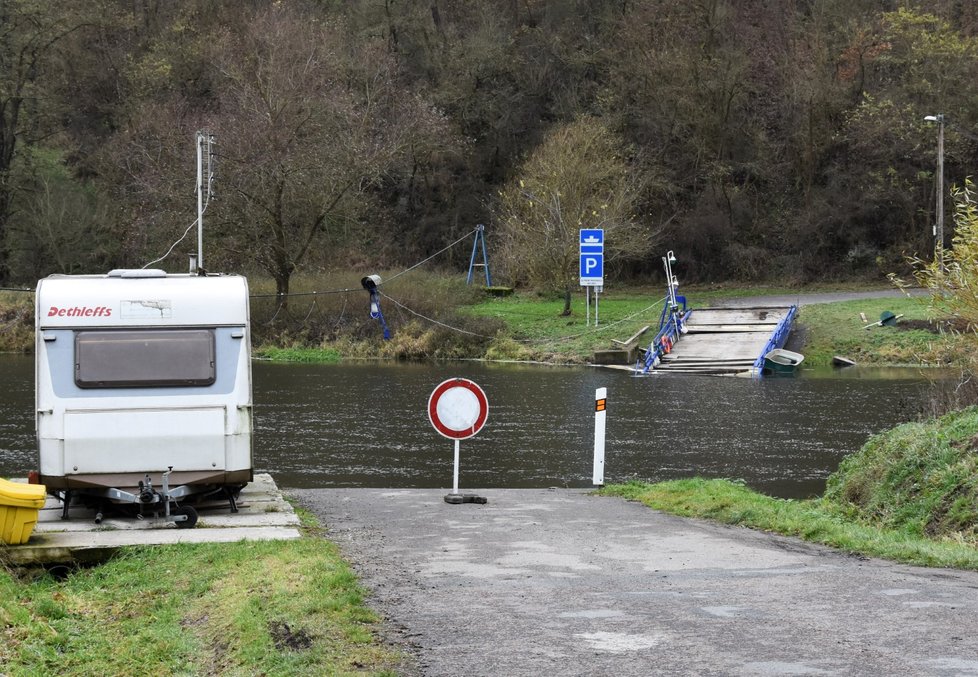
458 408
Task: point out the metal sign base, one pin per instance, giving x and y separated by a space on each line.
456 499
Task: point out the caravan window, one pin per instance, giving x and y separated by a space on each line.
144 358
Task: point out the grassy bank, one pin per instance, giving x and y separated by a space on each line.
920 337
812 520
329 316
439 317
910 495
307 355
270 608
919 478
536 328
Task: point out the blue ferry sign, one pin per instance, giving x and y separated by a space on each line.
592 257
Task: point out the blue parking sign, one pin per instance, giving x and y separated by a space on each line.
592 265
592 257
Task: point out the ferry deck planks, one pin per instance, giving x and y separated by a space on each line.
723 341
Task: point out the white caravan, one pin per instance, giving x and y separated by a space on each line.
143 388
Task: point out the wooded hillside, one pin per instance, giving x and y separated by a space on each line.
759 140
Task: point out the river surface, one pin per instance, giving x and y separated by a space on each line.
366 425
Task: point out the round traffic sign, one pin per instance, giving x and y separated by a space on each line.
458 408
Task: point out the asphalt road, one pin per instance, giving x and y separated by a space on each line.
809 298
560 582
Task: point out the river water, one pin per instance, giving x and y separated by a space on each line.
365 424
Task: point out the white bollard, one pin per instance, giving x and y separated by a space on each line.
600 405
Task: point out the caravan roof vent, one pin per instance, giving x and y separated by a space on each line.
131 273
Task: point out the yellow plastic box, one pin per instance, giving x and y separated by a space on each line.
19 504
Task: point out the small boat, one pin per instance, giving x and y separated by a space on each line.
781 361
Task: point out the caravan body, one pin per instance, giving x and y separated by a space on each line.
138 373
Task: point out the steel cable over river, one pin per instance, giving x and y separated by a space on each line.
364 424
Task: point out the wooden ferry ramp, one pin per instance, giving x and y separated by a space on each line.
725 341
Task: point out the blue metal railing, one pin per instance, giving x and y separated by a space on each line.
778 338
671 323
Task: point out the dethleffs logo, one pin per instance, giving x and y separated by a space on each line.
79 311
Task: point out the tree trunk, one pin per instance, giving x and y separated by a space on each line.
567 301
282 279
4 210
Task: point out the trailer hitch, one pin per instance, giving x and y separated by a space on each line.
183 516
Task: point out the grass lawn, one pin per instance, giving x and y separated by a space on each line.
247 608
540 331
916 339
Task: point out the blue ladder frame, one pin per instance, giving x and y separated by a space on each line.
479 238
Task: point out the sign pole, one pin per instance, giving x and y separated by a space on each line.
587 306
455 474
600 406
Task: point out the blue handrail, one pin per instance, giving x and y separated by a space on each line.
778 338
671 323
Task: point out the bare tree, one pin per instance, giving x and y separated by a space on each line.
63 228
577 178
309 124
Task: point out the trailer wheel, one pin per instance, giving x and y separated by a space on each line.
191 514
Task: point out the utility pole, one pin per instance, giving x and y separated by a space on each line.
205 186
939 222
940 193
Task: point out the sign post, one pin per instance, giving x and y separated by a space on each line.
458 408
592 265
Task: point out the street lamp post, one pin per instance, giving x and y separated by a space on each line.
939 223
671 281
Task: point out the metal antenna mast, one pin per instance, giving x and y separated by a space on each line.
206 160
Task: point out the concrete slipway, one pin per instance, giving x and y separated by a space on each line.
262 515
561 582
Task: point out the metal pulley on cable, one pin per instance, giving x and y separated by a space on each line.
370 283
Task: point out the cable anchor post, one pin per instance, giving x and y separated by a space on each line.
480 239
